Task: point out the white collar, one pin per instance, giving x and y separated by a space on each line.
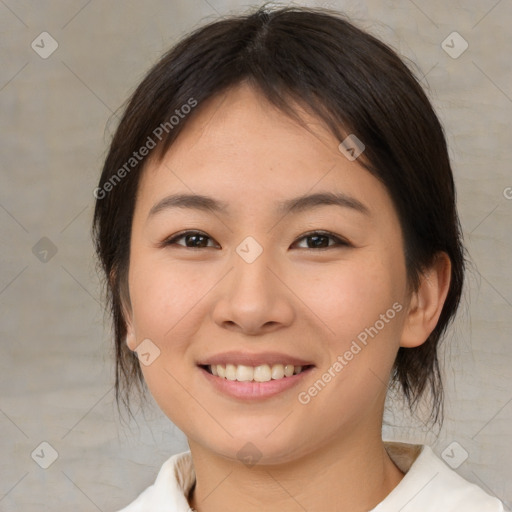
422 468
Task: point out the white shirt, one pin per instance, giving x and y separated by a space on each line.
429 485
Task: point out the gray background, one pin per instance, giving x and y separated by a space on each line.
57 118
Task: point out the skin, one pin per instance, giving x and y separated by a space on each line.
192 302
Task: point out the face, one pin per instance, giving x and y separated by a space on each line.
293 257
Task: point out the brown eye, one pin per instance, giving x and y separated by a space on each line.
192 240
321 240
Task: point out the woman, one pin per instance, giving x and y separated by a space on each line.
276 221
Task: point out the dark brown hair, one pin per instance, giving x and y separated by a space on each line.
347 78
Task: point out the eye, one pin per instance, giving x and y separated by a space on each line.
193 240
200 240
321 240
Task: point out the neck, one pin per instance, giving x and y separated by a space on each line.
354 474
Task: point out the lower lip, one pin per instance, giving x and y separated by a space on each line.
254 390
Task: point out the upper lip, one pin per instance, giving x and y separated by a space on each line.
248 359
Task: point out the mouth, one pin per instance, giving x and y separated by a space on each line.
247 376
254 383
260 373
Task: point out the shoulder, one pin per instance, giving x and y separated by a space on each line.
172 484
430 485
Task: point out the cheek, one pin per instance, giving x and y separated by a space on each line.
361 304
166 309
352 295
163 296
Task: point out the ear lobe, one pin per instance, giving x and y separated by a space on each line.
125 304
131 340
427 302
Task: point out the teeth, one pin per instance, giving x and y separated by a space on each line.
230 372
278 371
244 373
288 370
262 373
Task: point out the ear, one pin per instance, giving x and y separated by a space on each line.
427 302
131 340
126 308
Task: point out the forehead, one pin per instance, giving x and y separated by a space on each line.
242 121
244 150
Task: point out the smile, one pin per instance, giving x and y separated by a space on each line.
251 383
260 373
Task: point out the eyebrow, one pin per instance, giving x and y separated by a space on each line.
294 205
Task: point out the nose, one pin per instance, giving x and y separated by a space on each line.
252 299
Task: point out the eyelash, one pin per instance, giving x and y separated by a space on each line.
339 241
